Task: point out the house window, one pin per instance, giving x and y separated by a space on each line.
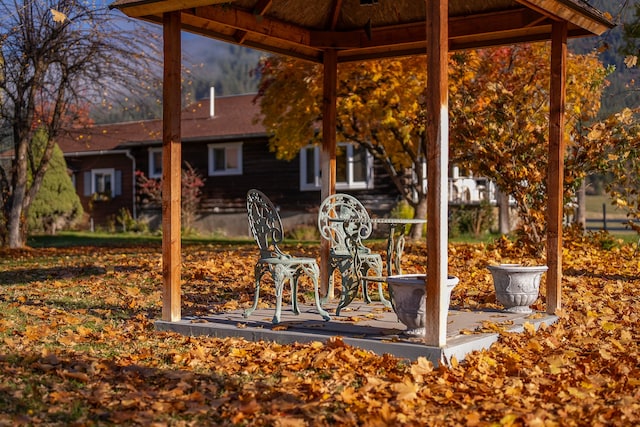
155 163
225 159
103 183
354 168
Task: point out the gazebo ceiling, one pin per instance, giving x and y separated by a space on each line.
364 29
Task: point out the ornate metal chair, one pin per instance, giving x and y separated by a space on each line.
266 228
344 221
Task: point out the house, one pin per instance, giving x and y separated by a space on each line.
223 142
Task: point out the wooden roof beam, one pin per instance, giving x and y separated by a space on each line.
515 19
205 27
459 27
247 21
260 9
335 14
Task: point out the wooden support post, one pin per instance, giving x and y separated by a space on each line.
437 171
328 158
171 159
555 174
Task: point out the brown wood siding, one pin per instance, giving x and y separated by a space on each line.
103 211
278 179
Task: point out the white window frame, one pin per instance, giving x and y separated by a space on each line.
350 184
227 171
111 172
152 163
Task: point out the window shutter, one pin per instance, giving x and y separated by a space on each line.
117 190
87 184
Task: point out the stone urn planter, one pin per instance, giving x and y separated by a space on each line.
517 286
407 292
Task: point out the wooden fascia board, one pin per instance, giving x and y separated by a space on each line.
382 52
493 23
542 33
486 26
196 25
560 10
144 8
202 26
246 21
382 36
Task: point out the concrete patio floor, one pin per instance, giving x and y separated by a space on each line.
367 326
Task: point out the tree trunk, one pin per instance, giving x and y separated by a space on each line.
15 224
420 213
581 210
504 224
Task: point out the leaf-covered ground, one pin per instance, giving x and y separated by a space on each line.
78 347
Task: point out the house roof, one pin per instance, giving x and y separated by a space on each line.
383 28
234 118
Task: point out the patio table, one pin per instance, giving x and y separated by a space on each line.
395 247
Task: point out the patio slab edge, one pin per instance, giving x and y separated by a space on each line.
402 349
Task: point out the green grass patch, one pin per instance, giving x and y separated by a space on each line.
87 238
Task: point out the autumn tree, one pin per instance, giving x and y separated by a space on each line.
498 110
619 140
379 105
56 204
499 105
149 193
55 55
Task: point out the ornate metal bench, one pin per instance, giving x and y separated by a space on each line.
266 228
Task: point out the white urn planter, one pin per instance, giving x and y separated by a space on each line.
517 286
407 292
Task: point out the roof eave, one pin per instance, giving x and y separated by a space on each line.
141 8
583 16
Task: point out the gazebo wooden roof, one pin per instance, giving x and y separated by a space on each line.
334 31
365 29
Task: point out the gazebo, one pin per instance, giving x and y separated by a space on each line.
334 31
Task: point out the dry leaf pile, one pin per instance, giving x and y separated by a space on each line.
78 347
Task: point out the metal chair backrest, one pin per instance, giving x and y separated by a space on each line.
265 224
342 216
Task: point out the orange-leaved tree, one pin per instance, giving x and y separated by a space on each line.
618 137
379 104
499 104
498 109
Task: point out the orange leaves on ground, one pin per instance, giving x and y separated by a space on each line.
83 337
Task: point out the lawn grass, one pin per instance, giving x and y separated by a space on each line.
104 239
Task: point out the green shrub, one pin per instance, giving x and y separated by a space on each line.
405 211
475 220
304 232
402 210
128 223
603 239
56 206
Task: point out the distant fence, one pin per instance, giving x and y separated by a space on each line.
605 223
